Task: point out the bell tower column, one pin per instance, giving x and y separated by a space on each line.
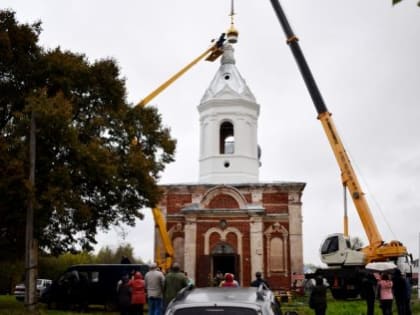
228 127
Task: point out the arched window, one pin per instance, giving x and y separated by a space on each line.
227 139
223 248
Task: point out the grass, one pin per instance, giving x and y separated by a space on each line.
351 307
10 306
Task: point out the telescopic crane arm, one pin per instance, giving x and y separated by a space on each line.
377 249
210 54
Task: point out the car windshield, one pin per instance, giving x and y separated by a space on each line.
216 310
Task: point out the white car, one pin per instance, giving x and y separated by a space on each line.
41 286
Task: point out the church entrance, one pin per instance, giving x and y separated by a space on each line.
225 259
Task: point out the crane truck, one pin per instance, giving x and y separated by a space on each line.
344 262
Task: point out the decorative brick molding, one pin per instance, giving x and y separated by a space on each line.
277 230
223 237
228 193
257 223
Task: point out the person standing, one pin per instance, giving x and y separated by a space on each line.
229 281
400 291
154 282
138 295
124 296
368 290
218 278
259 280
385 294
189 280
318 297
125 260
175 280
408 283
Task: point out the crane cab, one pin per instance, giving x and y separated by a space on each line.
336 250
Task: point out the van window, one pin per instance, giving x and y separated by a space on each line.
95 276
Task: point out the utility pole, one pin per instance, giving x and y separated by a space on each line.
31 246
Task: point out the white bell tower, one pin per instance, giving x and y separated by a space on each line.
229 152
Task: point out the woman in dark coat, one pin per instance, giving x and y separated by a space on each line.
368 290
401 292
318 297
124 296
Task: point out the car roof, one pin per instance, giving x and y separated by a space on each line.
242 294
223 296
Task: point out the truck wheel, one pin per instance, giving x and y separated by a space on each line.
339 294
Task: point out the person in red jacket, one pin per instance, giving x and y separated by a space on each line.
229 281
138 294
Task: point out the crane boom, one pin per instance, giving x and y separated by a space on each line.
377 249
211 54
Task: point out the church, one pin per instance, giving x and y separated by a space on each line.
229 221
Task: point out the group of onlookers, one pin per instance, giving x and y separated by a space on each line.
156 288
131 294
385 287
228 280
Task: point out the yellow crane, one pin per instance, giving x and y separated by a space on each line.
336 252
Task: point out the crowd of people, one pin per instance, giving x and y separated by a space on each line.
156 289
385 287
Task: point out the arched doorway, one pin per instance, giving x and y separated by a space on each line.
225 259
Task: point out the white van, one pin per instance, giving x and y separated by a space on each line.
41 286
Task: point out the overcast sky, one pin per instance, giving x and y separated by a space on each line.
364 55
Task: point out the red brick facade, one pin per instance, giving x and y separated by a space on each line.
239 228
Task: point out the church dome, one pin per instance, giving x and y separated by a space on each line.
228 82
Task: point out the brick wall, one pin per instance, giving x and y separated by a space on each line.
175 202
223 202
275 201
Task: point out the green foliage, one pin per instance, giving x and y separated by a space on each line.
14 275
90 174
398 1
108 256
335 307
51 267
9 306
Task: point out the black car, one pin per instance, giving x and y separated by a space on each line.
226 301
84 285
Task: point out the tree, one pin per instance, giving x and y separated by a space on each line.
398 1
90 174
108 256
